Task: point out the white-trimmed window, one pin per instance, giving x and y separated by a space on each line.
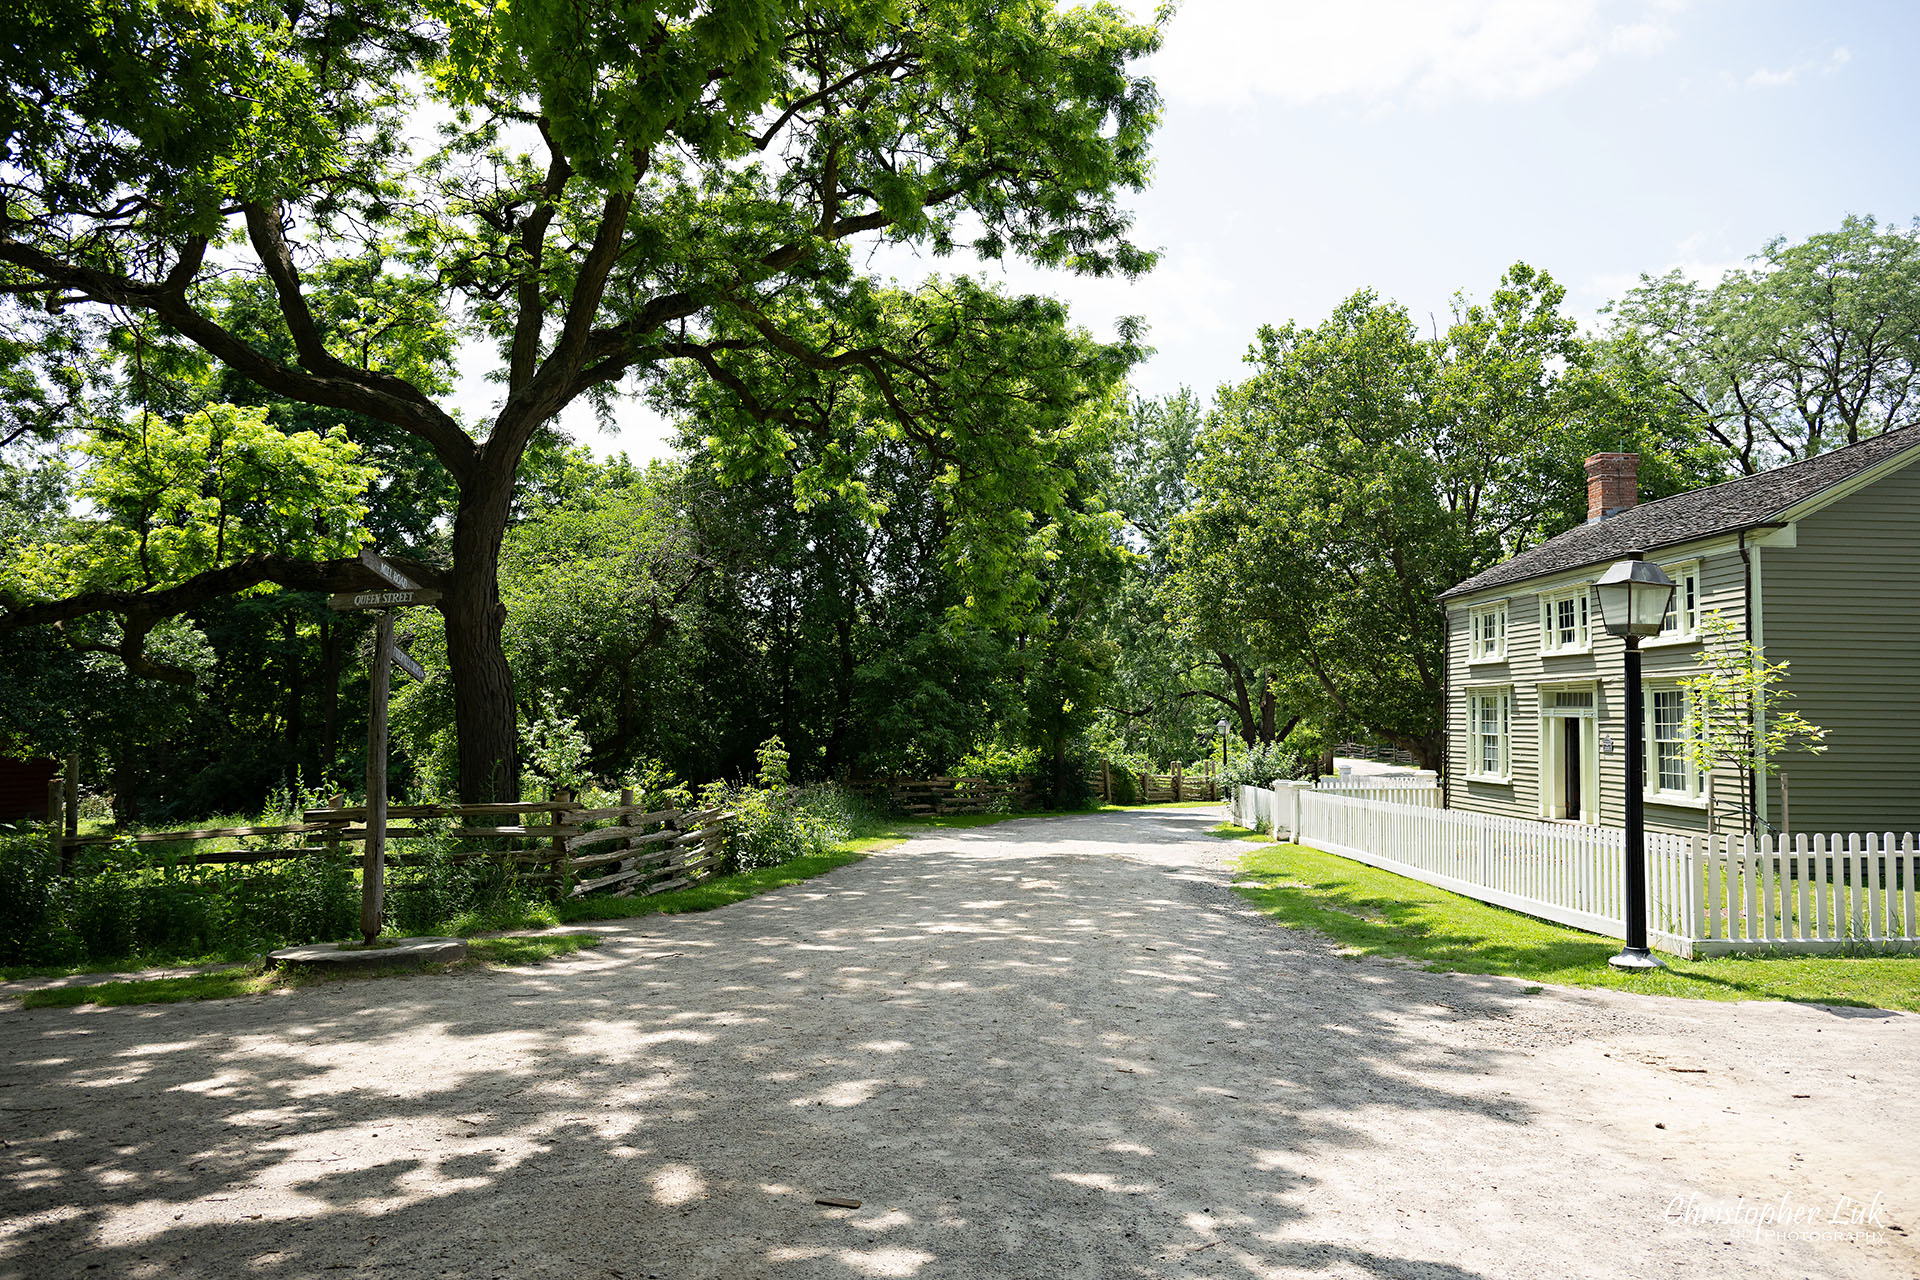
1669 770
1490 733
1563 621
1488 625
1683 615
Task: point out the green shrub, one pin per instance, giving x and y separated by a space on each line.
29 910
1262 764
996 763
775 823
1125 785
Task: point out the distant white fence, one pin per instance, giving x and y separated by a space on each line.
1705 895
1276 809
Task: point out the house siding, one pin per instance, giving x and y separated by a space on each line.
1526 670
1842 608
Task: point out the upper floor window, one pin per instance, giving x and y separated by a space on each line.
1489 628
1563 621
1683 615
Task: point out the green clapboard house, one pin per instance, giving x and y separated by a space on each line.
1817 562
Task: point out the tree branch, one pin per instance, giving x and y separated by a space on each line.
333 384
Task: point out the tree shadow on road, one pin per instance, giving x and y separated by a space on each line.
1022 1061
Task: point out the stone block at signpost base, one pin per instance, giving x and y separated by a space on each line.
387 953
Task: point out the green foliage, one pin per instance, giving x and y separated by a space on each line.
1261 764
775 823
606 196
177 499
772 757
1817 345
555 756
996 762
29 898
139 900
1365 468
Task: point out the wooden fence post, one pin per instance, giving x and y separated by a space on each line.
1176 782
373 861
57 824
562 864
626 820
1106 782
72 786
329 840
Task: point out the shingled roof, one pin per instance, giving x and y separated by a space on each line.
1685 517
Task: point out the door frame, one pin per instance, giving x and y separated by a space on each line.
1582 705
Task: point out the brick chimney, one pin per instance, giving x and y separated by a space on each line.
1613 484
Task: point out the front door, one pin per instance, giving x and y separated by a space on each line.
1574 766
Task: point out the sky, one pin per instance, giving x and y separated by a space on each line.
1420 147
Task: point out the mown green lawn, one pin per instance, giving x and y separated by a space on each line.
1376 913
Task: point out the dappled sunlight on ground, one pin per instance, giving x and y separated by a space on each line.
1048 1048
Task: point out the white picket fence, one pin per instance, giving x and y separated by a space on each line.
1276 809
1807 893
1705 896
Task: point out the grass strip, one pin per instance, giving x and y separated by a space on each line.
1376 913
253 980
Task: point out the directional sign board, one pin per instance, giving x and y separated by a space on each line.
347 601
405 662
378 566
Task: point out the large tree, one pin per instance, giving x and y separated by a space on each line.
1365 468
1177 671
607 194
1815 346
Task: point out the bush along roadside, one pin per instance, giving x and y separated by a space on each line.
130 903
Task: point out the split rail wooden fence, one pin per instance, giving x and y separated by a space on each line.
1158 788
621 849
936 797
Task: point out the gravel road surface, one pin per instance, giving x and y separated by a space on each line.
1049 1048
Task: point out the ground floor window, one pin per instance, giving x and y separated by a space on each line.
1668 769
1490 733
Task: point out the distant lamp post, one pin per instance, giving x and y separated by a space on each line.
1220 727
1634 599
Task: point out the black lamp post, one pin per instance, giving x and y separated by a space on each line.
1634 599
1220 727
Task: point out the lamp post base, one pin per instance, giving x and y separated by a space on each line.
1635 958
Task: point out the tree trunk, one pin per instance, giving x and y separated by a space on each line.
126 790
484 717
1267 708
842 692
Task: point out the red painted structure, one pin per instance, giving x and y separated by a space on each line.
23 787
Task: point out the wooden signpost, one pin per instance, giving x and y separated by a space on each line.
404 591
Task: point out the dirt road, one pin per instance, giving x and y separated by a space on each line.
1055 1047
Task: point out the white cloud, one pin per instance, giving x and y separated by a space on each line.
1701 258
1767 78
1376 52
